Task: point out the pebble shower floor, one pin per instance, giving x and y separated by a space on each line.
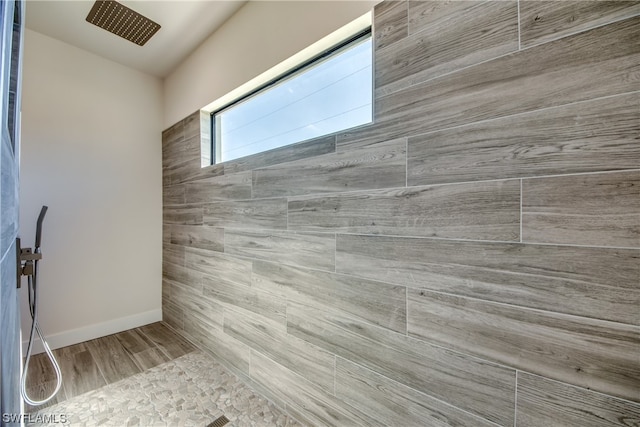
192 390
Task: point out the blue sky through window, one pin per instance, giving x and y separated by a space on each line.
329 96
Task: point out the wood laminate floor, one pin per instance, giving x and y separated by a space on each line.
147 376
93 364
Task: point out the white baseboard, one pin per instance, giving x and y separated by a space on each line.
89 332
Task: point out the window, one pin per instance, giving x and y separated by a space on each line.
329 93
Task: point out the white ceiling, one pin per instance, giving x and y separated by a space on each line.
184 25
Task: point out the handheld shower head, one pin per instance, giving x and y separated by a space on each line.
43 211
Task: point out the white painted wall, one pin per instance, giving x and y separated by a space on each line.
91 151
258 37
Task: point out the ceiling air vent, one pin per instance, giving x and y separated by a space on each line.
122 21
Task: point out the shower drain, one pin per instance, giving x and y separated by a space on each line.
219 422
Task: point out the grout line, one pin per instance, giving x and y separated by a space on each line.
253 174
206 203
570 245
408 21
584 389
519 27
286 313
266 230
537 110
423 393
526 308
335 373
335 252
599 172
406 311
95 363
515 406
302 197
285 164
436 345
421 32
604 24
408 237
488 242
381 190
521 197
381 93
406 162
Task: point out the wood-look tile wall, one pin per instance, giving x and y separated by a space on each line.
471 258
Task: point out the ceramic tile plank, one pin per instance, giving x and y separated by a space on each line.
172 315
542 21
259 213
254 300
379 166
166 288
599 355
366 300
390 20
469 383
173 134
312 250
178 273
166 233
542 402
225 187
424 14
173 254
304 399
150 357
179 171
41 381
172 195
197 236
192 300
193 124
112 359
221 267
393 403
185 129
79 370
598 210
599 135
301 150
181 164
557 73
226 349
41 391
482 31
180 152
134 341
174 266
40 370
271 340
172 344
184 214
483 211
601 283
